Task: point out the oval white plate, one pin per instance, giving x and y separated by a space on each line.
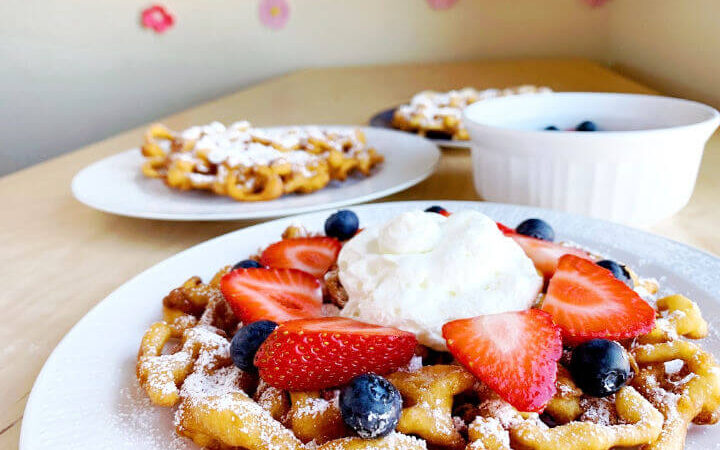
86 395
116 185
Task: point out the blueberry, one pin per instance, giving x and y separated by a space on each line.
599 367
586 126
342 225
437 209
246 264
551 128
536 228
618 270
247 341
370 405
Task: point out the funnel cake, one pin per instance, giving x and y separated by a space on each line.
439 114
185 363
251 164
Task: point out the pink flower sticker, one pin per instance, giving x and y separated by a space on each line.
274 13
596 3
441 4
157 18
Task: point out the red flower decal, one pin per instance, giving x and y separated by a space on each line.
595 3
441 4
157 18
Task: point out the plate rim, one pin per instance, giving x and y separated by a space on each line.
274 213
88 316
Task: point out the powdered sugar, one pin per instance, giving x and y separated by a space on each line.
312 407
430 108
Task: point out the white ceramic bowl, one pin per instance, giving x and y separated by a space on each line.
640 171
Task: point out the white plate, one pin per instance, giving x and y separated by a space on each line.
116 185
86 395
383 119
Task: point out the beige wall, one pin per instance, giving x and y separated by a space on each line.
75 71
674 45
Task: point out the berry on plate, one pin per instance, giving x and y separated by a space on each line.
313 255
545 255
342 225
537 228
438 210
586 301
551 128
618 270
370 405
246 342
246 264
600 367
312 354
272 294
586 126
514 353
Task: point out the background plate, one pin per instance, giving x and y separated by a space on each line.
116 185
86 396
383 119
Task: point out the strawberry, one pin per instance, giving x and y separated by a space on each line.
504 228
313 255
586 301
514 353
545 254
312 354
272 294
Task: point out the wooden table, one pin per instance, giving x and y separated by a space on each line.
59 258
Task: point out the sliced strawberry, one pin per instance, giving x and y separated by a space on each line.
504 228
514 353
272 294
307 355
586 301
545 254
313 255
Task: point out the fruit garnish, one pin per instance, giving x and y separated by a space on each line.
587 125
600 367
272 294
313 255
536 228
246 264
618 270
247 341
504 228
342 225
545 255
514 353
438 210
370 405
586 301
312 354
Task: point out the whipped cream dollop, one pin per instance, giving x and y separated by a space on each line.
420 270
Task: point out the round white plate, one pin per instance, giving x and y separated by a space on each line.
86 396
116 185
383 119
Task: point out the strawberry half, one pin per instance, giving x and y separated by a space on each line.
514 353
272 294
544 254
307 355
313 255
586 301
504 228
